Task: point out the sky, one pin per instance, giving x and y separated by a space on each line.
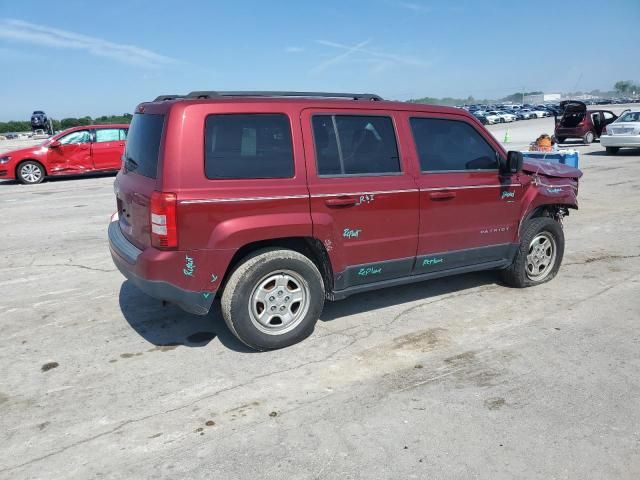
76 58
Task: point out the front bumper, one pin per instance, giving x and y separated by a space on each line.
620 140
126 256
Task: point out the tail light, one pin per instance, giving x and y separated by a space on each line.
164 229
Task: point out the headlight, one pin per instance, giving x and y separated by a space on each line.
5 159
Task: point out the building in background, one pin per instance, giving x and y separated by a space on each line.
542 97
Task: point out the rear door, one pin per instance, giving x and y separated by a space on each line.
72 155
468 212
107 148
364 200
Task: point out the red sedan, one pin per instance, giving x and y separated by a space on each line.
93 148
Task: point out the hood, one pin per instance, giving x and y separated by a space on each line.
573 106
550 169
21 152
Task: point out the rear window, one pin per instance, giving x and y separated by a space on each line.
143 144
248 146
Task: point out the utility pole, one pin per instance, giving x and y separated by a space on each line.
522 95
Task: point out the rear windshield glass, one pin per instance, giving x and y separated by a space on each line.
143 144
248 146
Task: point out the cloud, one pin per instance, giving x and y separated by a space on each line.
25 32
380 60
294 49
338 58
416 7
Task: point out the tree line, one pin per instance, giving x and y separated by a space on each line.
25 126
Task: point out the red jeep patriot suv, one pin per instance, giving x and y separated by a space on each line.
276 201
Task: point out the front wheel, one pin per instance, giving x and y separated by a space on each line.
30 172
273 299
539 255
612 150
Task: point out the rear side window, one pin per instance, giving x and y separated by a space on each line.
110 134
355 145
451 145
143 144
248 146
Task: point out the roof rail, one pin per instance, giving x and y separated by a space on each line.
216 94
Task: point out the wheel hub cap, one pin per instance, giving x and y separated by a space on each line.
30 173
541 256
279 302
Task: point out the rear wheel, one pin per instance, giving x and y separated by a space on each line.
30 172
273 299
612 150
588 138
539 255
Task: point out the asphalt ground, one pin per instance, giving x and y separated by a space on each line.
455 378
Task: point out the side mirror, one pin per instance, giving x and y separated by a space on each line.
55 144
515 162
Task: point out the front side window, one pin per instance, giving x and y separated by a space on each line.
248 146
355 145
80 136
451 145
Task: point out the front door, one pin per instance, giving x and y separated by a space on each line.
468 212
107 148
364 201
73 154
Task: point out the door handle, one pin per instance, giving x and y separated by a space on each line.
340 202
442 195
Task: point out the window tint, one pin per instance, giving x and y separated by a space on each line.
143 144
108 134
81 136
248 146
451 145
355 145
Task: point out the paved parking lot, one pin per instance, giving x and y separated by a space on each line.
454 378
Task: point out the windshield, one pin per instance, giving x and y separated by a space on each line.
630 117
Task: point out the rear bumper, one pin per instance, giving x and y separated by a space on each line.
127 258
620 140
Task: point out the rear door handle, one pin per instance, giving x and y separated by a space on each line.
442 195
340 202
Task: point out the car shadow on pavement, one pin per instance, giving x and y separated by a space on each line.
387 297
167 325
623 152
63 178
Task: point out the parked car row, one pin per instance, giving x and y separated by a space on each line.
491 114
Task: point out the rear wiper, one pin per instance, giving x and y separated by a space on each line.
130 164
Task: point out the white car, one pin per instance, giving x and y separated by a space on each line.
539 113
503 116
624 132
491 119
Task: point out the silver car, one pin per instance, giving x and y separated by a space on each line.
623 133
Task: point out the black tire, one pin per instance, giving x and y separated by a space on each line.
561 139
588 138
518 274
612 150
238 301
30 172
